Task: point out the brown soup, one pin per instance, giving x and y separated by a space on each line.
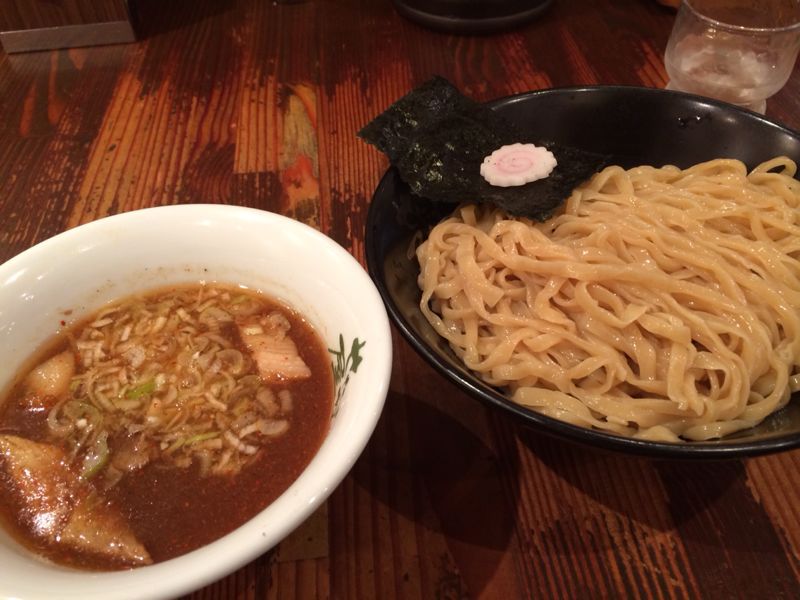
160 424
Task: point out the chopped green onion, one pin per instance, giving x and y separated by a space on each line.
192 439
200 437
175 445
76 409
143 389
96 458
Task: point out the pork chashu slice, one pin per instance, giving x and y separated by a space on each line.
273 350
59 507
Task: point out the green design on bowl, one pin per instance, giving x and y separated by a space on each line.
343 366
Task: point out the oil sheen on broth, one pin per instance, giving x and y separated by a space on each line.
160 424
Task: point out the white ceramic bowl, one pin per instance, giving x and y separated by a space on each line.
84 267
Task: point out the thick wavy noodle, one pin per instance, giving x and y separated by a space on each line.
661 303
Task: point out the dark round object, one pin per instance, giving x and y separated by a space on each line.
471 16
634 126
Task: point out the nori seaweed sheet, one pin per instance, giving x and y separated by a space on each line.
437 138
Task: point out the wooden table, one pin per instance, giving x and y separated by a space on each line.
257 103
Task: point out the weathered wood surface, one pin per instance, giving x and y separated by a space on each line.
257 103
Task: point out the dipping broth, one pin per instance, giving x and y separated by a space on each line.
160 424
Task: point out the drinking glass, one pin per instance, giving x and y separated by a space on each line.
739 51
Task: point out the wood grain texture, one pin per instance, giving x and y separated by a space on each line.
257 104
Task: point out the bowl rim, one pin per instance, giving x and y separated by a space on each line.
472 386
329 465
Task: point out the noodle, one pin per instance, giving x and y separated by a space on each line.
660 304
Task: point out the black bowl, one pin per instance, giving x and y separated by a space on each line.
471 16
634 126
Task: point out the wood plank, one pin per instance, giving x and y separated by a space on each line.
725 532
781 507
188 115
